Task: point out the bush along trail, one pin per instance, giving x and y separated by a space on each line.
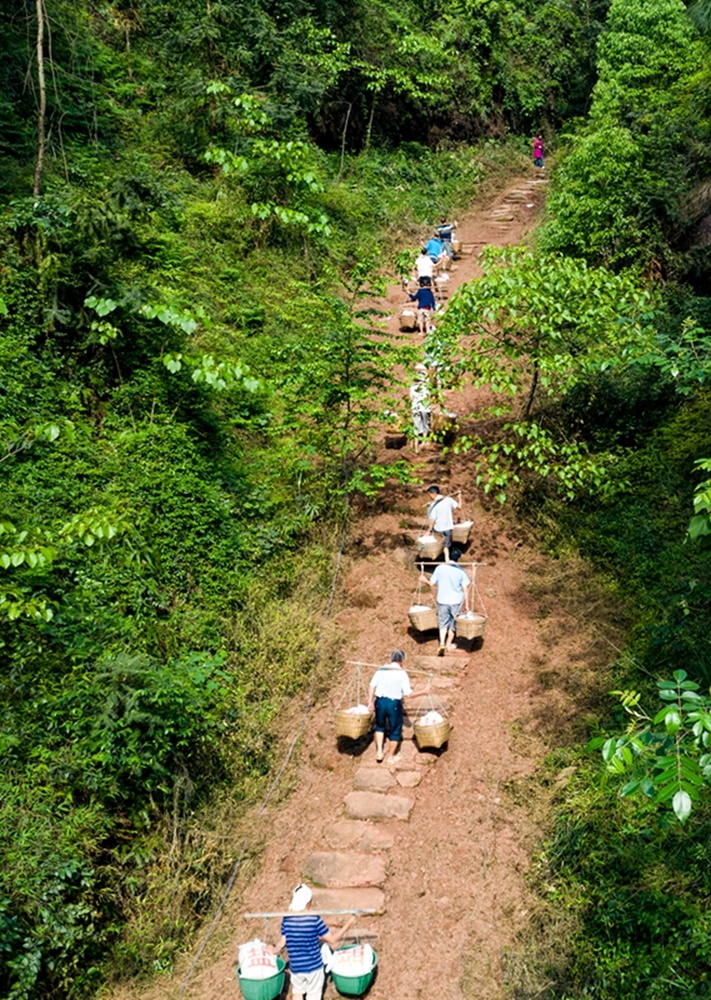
433 848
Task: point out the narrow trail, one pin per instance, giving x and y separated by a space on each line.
436 846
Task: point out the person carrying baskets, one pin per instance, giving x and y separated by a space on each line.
452 583
439 516
302 934
390 684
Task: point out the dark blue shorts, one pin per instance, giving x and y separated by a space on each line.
388 718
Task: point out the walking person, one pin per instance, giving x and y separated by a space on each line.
538 152
420 405
426 305
439 516
446 231
452 584
390 684
425 269
302 934
435 248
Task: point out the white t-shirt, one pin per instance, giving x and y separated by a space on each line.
425 266
441 511
391 681
451 581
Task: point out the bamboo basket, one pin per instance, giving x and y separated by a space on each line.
471 628
457 246
423 619
461 532
347 723
443 423
408 319
352 726
430 549
432 736
445 263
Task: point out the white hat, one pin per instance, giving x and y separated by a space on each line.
300 898
421 368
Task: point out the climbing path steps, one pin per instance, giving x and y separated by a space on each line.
371 837
351 872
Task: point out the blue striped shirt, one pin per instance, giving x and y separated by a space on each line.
302 935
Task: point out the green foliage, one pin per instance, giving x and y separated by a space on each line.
700 525
619 192
664 756
626 903
539 326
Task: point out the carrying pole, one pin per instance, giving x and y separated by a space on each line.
321 913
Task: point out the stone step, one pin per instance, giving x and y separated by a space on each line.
360 835
374 805
373 779
349 899
337 870
451 663
408 779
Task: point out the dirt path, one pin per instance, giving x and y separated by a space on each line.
435 846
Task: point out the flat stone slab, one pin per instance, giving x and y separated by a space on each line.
360 835
408 779
444 683
336 870
373 805
452 663
373 779
349 899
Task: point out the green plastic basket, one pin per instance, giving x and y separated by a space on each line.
263 989
354 986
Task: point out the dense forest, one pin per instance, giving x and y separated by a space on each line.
198 202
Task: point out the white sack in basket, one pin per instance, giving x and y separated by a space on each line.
420 607
356 961
357 710
426 539
430 719
256 961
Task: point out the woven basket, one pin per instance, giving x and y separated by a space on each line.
442 423
408 319
461 532
457 246
470 628
430 550
423 621
351 725
445 264
432 736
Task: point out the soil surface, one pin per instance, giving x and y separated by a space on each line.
434 845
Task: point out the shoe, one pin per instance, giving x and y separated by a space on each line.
441 651
379 758
392 761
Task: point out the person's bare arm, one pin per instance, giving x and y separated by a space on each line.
335 937
276 948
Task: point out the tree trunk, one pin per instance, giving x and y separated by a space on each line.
369 129
43 97
532 392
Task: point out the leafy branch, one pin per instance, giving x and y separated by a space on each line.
666 756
